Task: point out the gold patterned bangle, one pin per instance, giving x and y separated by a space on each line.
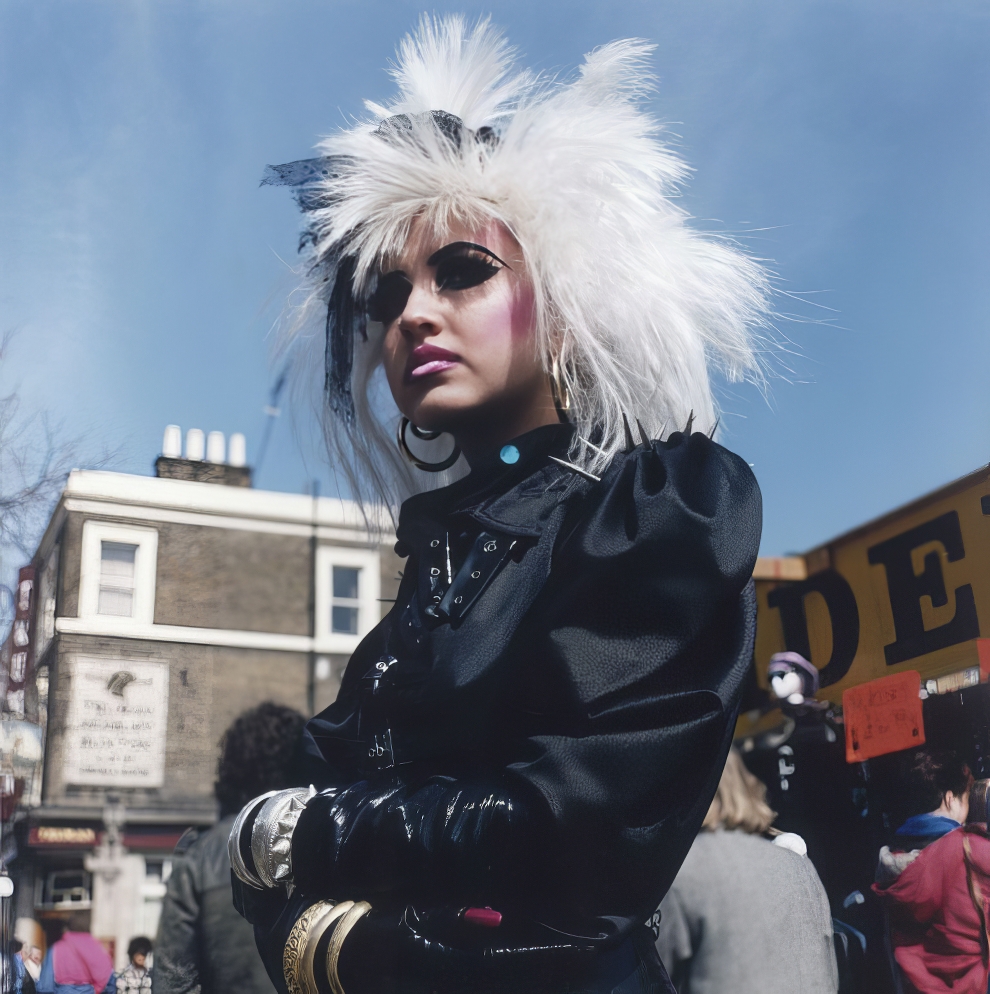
300 947
350 919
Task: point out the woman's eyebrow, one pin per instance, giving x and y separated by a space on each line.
458 248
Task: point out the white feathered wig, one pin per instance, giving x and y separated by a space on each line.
633 306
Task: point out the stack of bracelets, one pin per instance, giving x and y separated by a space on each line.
322 928
261 857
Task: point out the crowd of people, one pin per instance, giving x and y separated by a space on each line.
746 913
76 962
203 945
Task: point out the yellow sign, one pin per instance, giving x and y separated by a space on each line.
909 591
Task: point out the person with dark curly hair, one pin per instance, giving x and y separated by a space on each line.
135 978
204 945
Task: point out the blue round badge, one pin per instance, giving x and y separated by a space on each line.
509 454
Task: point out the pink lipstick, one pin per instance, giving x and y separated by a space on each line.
428 359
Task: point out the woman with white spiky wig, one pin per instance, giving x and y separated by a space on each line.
523 750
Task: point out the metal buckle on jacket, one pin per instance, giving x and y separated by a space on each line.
381 750
486 556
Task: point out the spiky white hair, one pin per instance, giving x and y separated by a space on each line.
633 304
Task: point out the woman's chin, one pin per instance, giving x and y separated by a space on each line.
444 409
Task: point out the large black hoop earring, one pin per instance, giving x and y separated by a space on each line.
426 436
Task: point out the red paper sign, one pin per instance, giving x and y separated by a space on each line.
883 716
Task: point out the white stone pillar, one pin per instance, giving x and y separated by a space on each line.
118 879
118 902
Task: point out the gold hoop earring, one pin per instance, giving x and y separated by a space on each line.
561 396
426 436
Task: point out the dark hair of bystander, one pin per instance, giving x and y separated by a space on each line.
260 751
933 775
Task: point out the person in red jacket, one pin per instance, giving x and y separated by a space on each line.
938 913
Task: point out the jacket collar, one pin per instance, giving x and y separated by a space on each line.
515 498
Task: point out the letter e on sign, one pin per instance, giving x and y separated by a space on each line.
883 716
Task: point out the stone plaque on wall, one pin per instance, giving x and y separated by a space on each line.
118 714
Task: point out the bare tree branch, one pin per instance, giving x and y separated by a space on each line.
35 459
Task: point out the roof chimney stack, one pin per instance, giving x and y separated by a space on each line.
204 461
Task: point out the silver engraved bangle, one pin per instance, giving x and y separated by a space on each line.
234 842
271 836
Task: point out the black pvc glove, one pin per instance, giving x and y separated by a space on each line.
446 840
437 952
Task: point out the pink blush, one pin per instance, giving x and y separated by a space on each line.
522 313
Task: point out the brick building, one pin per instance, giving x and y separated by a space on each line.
165 606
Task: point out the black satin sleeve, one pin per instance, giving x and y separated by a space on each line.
626 675
643 634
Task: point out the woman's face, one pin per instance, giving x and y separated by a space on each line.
460 349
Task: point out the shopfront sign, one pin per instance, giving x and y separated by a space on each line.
909 591
118 714
61 836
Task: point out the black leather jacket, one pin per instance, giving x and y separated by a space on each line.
203 947
539 724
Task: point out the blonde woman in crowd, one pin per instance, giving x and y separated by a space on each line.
746 914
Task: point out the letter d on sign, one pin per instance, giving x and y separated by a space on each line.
843 616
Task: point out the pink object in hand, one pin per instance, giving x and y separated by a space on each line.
484 917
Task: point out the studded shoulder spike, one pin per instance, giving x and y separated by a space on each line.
591 445
630 441
576 469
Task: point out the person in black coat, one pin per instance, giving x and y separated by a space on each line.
523 750
203 946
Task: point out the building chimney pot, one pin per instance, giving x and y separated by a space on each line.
237 450
216 449
172 442
194 444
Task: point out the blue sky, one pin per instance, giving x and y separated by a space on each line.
847 142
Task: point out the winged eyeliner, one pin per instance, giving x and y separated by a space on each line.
458 248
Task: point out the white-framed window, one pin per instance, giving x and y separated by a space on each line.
116 595
345 603
117 578
348 585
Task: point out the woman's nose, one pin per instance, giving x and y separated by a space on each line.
420 316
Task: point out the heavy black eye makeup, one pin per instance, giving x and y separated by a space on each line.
389 298
462 265
459 266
